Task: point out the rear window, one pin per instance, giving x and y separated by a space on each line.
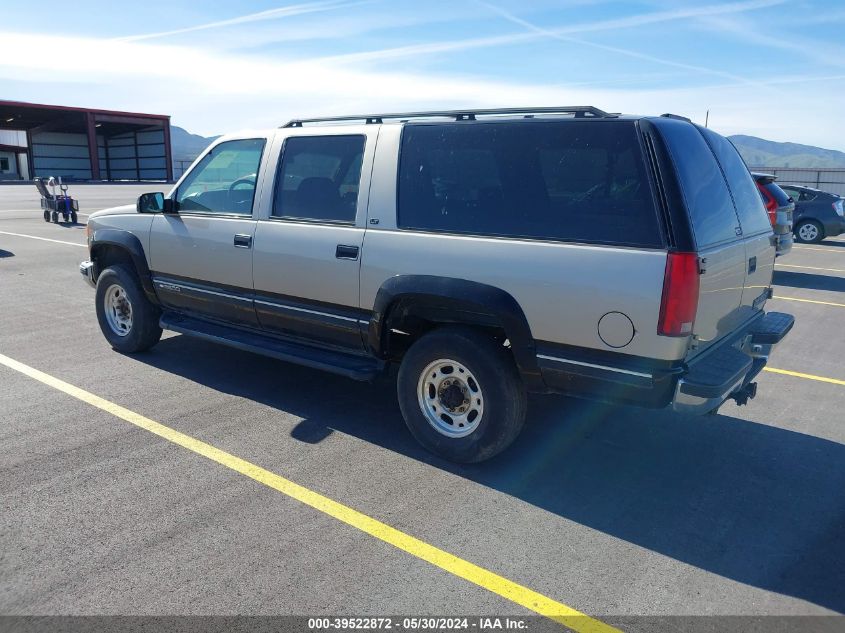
708 200
749 205
778 194
566 180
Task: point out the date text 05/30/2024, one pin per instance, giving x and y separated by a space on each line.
479 623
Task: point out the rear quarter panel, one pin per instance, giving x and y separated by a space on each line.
564 289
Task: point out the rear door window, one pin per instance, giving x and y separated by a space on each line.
581 181
319 178
752 213
709 202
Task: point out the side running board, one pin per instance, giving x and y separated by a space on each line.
362 368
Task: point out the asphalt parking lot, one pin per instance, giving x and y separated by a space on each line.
617 513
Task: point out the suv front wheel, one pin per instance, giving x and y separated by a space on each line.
127 318
461 394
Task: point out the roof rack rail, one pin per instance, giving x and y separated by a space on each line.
677 117
459 115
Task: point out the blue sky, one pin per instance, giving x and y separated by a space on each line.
771 68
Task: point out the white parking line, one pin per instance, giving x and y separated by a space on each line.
43 239
824 250
37 212
833 270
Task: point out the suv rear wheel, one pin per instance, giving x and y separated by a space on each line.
127 318
461 395
809 232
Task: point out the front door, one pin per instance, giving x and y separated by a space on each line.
308 241
201 255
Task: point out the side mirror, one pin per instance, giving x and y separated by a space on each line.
155 203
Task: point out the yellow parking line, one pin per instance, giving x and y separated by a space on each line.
833 270
824 303
43 239
459 567
798 374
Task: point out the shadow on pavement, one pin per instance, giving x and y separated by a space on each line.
809 281
832 243
747 501
6 253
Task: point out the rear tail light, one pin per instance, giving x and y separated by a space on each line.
680 295
839 207
771 208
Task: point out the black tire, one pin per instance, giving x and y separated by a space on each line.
492 366
809 223
73 217
46 215
55 217
144 331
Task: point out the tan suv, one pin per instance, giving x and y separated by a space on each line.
488 252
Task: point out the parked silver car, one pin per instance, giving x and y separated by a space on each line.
489 253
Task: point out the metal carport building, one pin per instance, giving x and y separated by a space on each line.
84 143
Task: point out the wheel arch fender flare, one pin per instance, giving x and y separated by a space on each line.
130 244
457 301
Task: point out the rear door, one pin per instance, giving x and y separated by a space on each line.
309 235
757 235
717 232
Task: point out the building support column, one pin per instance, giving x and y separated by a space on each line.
30 155
93 149
168 158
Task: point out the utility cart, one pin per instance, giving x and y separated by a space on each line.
55 205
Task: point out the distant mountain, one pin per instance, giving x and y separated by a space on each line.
759 152
187 146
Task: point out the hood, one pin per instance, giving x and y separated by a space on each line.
126 208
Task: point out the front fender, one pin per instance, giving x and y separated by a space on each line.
128 243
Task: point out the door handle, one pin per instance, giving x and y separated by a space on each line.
344 251
752 265
243 241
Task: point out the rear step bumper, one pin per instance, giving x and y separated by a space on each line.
728 370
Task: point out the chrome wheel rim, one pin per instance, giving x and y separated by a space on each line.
118 310
450 398
808 232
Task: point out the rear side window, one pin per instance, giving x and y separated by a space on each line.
708 200
566 180
319 178
780 196
749 206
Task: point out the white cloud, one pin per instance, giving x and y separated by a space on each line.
826 54
632 21
212 92
271 14
531 27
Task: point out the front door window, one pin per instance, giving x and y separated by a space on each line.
224 180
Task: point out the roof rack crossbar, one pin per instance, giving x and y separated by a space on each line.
458 115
